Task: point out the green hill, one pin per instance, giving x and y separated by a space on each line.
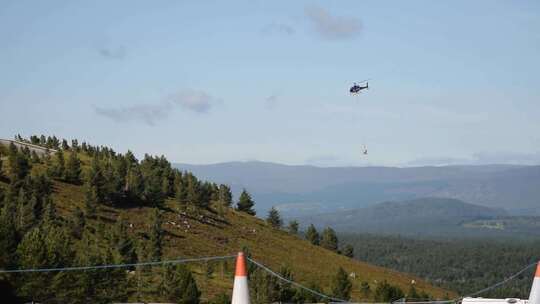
190 229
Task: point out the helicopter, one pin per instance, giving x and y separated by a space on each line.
355 89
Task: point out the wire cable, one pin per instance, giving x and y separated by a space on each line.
294 283
502 282
78 268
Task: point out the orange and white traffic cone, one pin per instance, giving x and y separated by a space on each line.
240 294
534 296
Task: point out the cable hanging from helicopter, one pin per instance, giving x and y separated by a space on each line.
355 90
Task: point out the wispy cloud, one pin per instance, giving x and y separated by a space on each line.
145 113
193 100
150 114
278 28
271 101
333 27
116 53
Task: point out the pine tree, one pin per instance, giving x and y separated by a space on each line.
348 251
193 193
413 294
179 286
263 287
135 181
59 170
365 290
329 239
156 236
341 285
152 191
95 179
312 235
245 203
90 201
274 219
293 227
79 223
286 292
50 216
8 240
43 246
225 195
386 292
123 243
25 212
73 168
18 164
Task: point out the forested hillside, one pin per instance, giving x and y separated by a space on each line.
309 190
430 217
89 205
462 265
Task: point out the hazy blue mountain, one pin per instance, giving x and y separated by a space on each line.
308 190
429 217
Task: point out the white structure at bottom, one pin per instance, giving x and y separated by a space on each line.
534 296
240 294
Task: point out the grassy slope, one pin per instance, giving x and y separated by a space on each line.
210 234
199 233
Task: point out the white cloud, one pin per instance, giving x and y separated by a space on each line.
194 100
333 27
146 113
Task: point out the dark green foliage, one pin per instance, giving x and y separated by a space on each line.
193 193
156 236
45 246
413 294
221 298
293 227
125 247
8 239
365 289
245 203
274 219
99 285
329 239
312 235
179 286
79 223
225 195
341 285
304 296
19 167
59 168
73 169
462 265
388 293
348 251
135 181
263 287
90 201
95 182
42 237
286 292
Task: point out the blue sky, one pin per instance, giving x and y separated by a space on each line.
212 81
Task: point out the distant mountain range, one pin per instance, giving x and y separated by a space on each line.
420 217
299 191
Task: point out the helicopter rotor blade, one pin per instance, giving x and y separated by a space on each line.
364 80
